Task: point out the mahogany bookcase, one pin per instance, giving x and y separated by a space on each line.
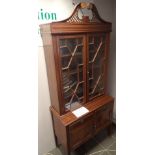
76 53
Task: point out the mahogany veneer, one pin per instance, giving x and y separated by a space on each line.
76 53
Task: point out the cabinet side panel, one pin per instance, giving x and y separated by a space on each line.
61 133
51 70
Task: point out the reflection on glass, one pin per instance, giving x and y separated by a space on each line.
96 66
71 51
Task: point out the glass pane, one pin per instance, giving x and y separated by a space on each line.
80 73
71 52
96 66
80 90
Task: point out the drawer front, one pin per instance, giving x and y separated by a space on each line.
81 131
103 117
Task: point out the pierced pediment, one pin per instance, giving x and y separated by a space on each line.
74 18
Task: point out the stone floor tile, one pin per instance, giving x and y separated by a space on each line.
55 151
112 146
101 152
112 152
104 140
92 147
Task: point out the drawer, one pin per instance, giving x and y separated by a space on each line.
81 131
103 117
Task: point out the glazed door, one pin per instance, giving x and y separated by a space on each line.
96 65
71 54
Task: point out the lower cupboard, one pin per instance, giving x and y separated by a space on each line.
70 132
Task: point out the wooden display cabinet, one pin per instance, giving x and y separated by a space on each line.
76 54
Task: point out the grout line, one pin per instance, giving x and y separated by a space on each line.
111 144
108 152
111 151
99 144
99 152
113 141
107 148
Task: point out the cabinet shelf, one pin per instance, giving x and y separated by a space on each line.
65 46
69 55
73 72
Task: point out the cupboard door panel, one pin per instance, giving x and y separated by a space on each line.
71 51
96 65
81 131
103 117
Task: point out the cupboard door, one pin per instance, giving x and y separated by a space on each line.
103 117
96 65
81 131
71 49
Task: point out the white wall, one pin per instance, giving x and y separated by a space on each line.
45 129
107 10
63 9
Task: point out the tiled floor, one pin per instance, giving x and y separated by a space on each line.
102 144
